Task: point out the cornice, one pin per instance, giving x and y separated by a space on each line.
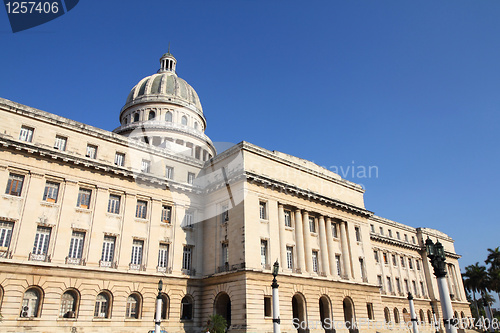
395 242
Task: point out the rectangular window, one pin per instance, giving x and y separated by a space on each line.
413 239
42 239
108 248
369 309
375 255
372 228
169 172
60 143
289 257
394 260
5 234
224 256
141 209
339 267
224 216
403 262
137 246
84 198
381 231
163 255
334 230
267 306
288 218
385 258
423 289
358 234
76 245
190 178
15 185
315 261
188 219
415 290
398 235
186 257
166 214
407 287
26 134
312 224
390 232
398 285
119 159
262 210
263 252
406 237
362 268
91 151
145 166
114 204
389 284
51 191
379 281
417 262
410 263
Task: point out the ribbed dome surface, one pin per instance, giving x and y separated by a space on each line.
164 86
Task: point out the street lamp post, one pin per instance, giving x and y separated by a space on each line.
413 313
158 308
487 310
276 301
435 252
434 320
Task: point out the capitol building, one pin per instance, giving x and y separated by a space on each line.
91 220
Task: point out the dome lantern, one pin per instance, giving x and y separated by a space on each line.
167 63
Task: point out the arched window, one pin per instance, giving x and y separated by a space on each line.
396 315
165 306
387 315
405 318
136 117
133 306
184 120
187 308
69 304
429 316
152 115
31 303
125 120
196 126
1 297
103 305
422 316
168 117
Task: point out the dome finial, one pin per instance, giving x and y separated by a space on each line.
167 62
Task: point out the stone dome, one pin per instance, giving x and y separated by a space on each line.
164 87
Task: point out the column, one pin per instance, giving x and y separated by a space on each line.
281 221
345 251
323 248
299 239
331 252
307 242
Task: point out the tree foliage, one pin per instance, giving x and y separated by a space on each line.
216 324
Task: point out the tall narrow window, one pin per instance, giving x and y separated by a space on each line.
186 308
76 245
379 281
42 238
406 237
375 255
15 185
224 217
188 219
84 198
133 306
114 204
224 256
385 258
312 224
169 172
398 235
315 261
168 117
422 288
60 143
51 191
334 230
415 290
102 305
358 234
136 117
163 256
262 210
394 260
362 268
403 262
289 257
119 159
407 287
413 239
339 267
381 231
190 178
152 115
184 120
136 257
267 306
389 284
146 166
372 228
186 257
108 249
369 309
389 232
31 303
417 263
69 303
288 218
26 134
166 214
263 252
410 263
5 235
398 285
91 151
141 209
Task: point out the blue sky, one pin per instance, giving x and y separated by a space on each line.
409 87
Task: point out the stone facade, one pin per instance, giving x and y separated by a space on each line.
91 220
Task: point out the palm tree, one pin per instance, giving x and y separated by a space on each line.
216 324
493 258
476 280
494 280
